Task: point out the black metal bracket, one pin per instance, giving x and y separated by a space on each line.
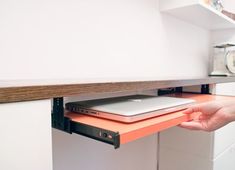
99 134
170 91
59 121
205 89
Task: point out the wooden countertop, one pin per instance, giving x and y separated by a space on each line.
22 90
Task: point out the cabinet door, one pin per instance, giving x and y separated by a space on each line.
224 138
182 149
25 136
224 89
226 160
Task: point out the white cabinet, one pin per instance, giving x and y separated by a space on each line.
75 152
196 150
223 139
227 89
25 136
182 149
198 13
226 160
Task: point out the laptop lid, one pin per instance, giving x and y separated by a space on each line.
129 108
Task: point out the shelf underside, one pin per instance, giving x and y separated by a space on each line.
203 16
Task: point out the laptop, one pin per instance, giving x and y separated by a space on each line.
130 108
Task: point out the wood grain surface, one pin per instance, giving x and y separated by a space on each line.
16 91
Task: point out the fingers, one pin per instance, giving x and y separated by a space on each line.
213 116
192 109
192 125
208 108
188 111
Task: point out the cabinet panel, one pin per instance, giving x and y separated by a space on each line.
226 160
224 89
195 143
222 137
74 152
25 136
173 159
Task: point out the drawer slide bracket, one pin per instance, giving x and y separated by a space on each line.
61 122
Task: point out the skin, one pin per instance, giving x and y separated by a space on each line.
214 115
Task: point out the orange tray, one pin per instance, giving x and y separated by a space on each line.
117 133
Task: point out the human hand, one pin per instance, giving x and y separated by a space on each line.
213 115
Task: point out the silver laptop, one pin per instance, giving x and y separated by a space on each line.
130 108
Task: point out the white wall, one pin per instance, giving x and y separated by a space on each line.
223 36
228 35
97 38
229 5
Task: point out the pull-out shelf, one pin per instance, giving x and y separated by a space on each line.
117 133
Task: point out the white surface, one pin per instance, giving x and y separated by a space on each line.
196 143
225 161
229 5
182 149
223 36
25 136
209 146
75 152
104 39
171 4
223 137
198 13
197 150
176 159
225 89
171 159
